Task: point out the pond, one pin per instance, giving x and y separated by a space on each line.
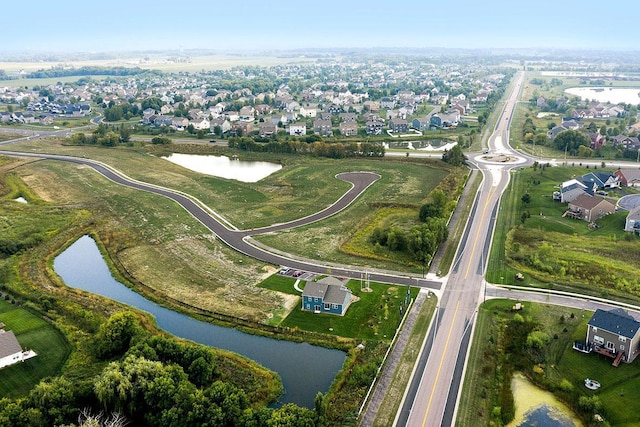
225 167
304 369
537 407
607 94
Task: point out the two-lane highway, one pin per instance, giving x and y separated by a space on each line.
434 402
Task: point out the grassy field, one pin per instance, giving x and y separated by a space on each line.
392 201
373 315
392 399
157 244
36 334
561 252
562 365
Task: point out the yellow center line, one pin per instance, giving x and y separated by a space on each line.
444 353
475 242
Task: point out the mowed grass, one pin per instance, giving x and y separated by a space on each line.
280 283
36 334
376 316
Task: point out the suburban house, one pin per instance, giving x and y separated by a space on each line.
589 208
10 350
398 125
224 124
308 112
629 177
573 188
374 127
322 127
327 295
603 180
298 129
348 128
626 142
267 129
613 333
421 123
632 222
445 120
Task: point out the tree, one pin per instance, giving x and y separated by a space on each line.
116 334
526 198
455 156
55 399
396 239
160 140
429 210
571 140
422 244
125 133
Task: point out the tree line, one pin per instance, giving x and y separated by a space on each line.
86 71
150 381
312 147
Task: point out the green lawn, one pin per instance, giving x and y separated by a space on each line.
40 336
392 399
280 283
375 316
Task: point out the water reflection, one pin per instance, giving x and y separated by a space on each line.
607 94
304 369
225 167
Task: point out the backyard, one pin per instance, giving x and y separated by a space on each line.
558 368
36 334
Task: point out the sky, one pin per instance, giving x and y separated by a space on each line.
250 25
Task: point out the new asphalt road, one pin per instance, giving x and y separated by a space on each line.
240 239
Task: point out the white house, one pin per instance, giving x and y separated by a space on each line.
10 350
297 129
632 222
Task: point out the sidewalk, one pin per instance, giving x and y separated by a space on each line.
386 376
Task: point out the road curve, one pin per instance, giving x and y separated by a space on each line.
240 239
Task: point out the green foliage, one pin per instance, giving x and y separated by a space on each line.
116 334
310 146
571 140
455 156
160 140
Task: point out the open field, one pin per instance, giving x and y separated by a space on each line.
562 364
150 61
158 245
557 252
36 334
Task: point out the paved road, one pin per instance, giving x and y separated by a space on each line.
433 393
240 239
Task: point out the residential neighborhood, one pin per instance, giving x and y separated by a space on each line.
337 99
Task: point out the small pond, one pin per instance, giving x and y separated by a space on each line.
607 94
304 369
536 407
225 167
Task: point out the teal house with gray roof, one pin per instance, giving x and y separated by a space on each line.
328 295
